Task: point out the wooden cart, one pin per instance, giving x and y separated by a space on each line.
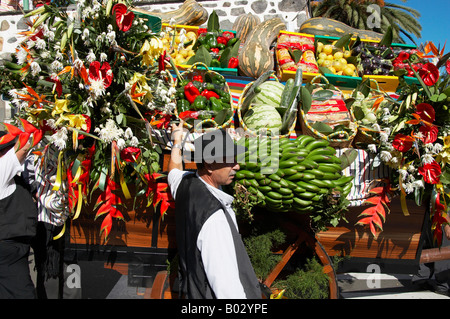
141 246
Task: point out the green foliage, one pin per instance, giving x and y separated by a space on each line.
259 249
307 283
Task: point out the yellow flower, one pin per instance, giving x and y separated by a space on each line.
444 156
151 51
60 106
141 85
77 121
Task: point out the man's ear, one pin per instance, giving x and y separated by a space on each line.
209 167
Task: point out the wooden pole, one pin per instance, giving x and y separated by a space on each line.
435 254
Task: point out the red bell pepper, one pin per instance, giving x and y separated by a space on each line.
233 63
191 92
208 94
222 40
215 50
229 35
202 30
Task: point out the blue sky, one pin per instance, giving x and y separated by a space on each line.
435 15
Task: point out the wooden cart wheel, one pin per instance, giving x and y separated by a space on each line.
312 242
163 285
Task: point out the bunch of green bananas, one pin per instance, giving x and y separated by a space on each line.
302 173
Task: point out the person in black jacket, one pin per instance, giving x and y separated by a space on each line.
213 262
18 218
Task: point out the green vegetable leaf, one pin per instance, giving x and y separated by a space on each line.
306 99
213 22
348 157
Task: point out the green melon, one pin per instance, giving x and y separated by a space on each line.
270 94
262 116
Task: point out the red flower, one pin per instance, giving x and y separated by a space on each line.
103 72
447 66
124 20
57 86
429 133
402 142
130 154
426 112
438 220
430 172
429 74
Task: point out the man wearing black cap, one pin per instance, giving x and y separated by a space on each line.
213 262
18 218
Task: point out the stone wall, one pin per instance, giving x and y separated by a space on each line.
293 12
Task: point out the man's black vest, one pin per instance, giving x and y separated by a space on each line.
18 213
194 205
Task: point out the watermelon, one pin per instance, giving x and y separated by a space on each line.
270 94
262 116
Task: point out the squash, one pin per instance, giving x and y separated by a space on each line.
244 24
255 56
334 28
189 13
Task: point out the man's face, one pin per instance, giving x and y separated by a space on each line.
223 173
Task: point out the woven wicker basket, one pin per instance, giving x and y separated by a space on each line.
339 139
264 132
208 124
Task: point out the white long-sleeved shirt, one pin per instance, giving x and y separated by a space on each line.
9 167
215 243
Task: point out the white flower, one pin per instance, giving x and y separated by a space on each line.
384 137
45 54
376 127
121 143
51 124
103 57
427 159
21 56
409 188
40 44
91 56
128 133
110 132
403 173
56 66
35 68
418 183
437 148
60 138
385 156
97 87
111 36
372 148
134 141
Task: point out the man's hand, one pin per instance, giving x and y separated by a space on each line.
177 132
176 158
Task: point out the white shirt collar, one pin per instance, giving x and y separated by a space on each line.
225 198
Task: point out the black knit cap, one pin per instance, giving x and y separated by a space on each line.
7 145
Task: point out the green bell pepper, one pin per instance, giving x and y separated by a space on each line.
216 104
218 79
211 40
215 63
183 105
200 103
